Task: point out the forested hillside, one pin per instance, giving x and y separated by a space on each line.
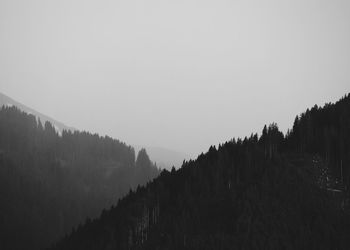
9 102
325 131
267 192
50 183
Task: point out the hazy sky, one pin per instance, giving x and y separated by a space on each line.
179 74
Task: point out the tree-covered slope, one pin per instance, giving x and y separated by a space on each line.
255 193
9 102
325 131
50 183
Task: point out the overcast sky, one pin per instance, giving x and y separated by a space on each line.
179 74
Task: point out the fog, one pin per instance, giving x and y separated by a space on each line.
175 74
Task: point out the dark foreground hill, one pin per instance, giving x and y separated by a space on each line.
272 192
50 182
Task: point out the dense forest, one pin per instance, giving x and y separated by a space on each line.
275 191
50 183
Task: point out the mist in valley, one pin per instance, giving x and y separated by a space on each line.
174 124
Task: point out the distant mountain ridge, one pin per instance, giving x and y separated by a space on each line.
165 158
59 126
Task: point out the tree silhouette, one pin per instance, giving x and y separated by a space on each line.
272 192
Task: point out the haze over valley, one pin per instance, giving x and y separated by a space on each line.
169 125
181 75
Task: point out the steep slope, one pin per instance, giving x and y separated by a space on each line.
325 131
7 101
50 182
256 193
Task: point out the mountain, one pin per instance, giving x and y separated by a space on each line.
165 158
51 182
275 191
7 101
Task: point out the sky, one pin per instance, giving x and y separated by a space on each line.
178 74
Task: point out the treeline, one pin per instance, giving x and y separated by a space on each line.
49 183
254 193
325 131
